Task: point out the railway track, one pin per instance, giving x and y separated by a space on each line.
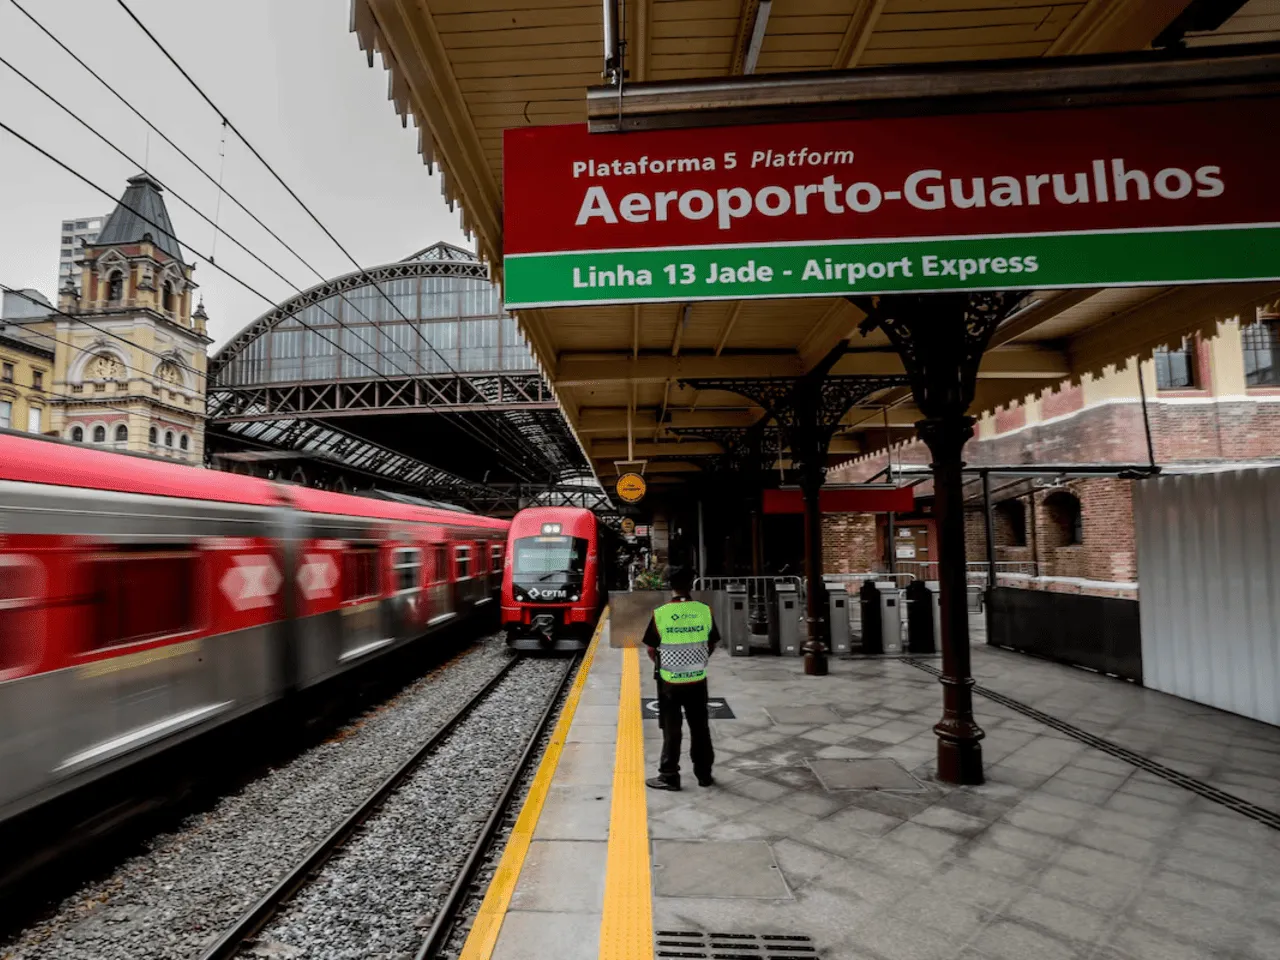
268 919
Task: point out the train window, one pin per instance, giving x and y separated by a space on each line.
360 573
407 565
495 557
462 556
143 593
440 564
19 594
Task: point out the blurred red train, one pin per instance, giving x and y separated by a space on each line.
143 602
555 584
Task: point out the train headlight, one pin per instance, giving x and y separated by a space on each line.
574 597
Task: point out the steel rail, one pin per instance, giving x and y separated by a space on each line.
256 918
448 914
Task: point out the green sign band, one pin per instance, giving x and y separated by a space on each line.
895 266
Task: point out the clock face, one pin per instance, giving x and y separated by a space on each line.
105 367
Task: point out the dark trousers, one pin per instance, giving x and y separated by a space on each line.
691 698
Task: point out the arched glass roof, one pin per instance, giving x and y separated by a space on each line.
432 314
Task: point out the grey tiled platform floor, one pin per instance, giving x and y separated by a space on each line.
1066 852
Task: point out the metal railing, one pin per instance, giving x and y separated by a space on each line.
758 588
975 571
761 592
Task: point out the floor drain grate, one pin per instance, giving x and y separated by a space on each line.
1241 806
696 945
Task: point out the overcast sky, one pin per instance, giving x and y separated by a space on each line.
288 73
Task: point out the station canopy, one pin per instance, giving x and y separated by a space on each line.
662 382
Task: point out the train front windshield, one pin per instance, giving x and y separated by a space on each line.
550 559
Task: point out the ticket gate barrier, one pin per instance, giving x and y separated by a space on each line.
872 634
737 629
789 633
921 618
838 619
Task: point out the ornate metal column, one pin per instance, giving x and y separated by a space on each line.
808 411
941 338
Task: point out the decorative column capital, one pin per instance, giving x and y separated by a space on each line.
946 436
940 338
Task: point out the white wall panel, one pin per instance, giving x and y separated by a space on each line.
1209 582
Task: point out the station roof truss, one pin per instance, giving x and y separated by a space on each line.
638 381
411 372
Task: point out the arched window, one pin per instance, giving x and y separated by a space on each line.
152 436
169 298
1065 525
77 434
115 286
1011 523
168 438
122 434
184 442
99 434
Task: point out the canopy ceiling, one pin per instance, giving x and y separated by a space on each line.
465 70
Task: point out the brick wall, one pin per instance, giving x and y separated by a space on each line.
848 542
1105 433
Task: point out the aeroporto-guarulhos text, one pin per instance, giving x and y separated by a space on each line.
927 189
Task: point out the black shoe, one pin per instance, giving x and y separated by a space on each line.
661 783
707 781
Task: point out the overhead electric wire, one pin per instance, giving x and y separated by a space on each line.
223 270
279 179
521 464
181 199
103 330
217 182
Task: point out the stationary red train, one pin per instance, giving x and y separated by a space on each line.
555 582
143 602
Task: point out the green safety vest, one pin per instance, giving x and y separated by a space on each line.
684 627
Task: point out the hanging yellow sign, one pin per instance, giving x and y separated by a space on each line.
631 487
628 526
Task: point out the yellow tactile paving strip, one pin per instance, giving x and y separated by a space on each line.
488 923
626 929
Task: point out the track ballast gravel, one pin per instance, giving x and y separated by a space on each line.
172 900
377 898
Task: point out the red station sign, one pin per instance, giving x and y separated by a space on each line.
1150 194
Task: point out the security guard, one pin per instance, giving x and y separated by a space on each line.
680 638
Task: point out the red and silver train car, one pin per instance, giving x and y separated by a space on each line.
554 584
143 602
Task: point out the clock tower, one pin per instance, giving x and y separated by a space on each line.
130 347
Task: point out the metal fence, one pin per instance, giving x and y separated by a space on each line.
760 590
975 572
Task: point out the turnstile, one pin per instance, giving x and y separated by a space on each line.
738 630
789 638
921 617
838 619
890 616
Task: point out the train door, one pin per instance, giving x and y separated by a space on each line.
495 568
464 574
408 606
362 627
440 591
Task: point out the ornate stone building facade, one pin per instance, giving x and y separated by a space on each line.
129 371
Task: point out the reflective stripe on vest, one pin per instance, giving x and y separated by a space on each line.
685 629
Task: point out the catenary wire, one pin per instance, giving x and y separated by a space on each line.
65 166
278 178
103 330
190 206
521 464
